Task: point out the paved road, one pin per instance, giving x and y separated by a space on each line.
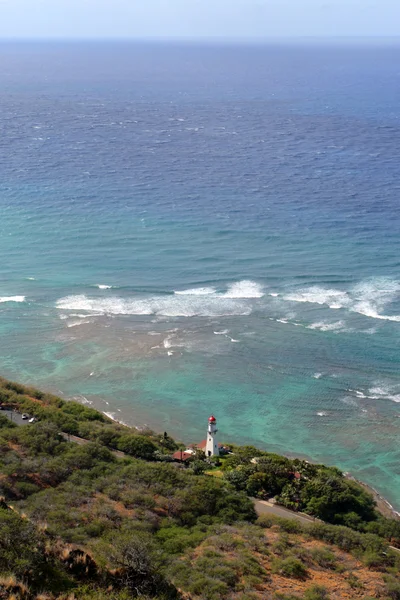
263 507
14 417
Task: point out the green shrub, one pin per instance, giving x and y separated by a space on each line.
6 423
208 588
133 499
354 582
377 560
316 592
22 550
94 529
290 525
289 567
282 544
25 488
347 539
137 445
392 588
267 521
324 558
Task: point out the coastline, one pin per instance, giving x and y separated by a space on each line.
382 504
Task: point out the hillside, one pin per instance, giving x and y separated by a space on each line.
82 521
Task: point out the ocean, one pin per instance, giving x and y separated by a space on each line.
188 230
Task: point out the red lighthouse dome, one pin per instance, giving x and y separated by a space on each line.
212 419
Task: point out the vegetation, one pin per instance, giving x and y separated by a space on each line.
88 522
320 491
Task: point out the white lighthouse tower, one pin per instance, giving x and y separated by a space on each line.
212 448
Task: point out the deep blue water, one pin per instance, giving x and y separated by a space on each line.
263 183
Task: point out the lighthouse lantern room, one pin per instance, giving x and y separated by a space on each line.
212 448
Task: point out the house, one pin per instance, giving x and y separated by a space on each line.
182 455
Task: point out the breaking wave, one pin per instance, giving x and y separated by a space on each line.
166 306
379 391
77 323
318 295
383 391
241 289
205 291
12 299
187 303
368 298
113 417
324 326
244 289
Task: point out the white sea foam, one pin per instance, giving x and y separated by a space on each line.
318 295
82 399
317 375
368 298
274 294
383 391
325 326
103 286
113 417
77 323
238 290
373 296
322 413
12 299
167 342
366 309
223 332
161 306
204 291
244 289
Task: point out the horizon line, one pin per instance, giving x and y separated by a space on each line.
204 40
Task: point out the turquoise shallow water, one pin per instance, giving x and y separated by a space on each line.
195 230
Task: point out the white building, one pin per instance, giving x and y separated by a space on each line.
212 448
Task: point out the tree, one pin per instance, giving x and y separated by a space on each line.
137 445
138 563
22 549
331 498
198 467
256 484
41 438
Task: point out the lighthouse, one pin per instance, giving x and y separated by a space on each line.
212 448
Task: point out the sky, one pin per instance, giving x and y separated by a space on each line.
198 19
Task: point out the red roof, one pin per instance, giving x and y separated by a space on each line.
182 455
212 419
